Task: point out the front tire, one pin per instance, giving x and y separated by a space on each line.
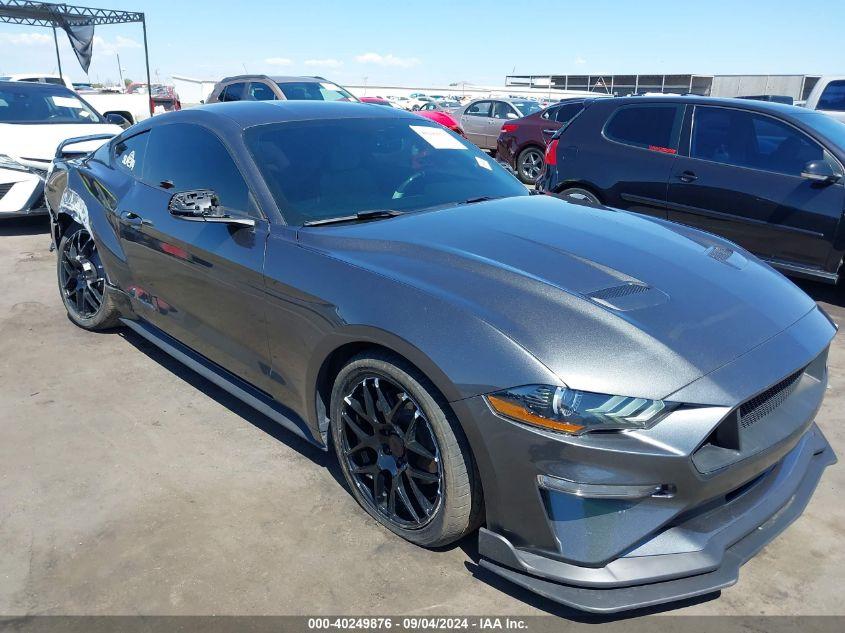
529 165
403 455
88 299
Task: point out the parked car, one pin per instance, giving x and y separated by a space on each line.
376 101
482 119
522 142
828 96
400 102
444 105
443 118
133 108
162 98
418 102
764 175
265 88
627 404
35 119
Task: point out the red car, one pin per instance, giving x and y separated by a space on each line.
443 118
376 101
522 143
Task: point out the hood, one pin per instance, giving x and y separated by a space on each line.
39 142
610 301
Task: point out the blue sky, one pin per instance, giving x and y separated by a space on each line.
431 42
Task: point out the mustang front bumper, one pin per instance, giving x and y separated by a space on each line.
610 522
21 193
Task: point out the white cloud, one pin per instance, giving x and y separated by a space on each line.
278 61
387 60
324 63
25 39
110 47
580 61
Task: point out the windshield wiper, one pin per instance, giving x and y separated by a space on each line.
479 199
372 214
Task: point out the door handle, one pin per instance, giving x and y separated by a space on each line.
133 219
688 176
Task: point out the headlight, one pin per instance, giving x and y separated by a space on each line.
7 162
575 412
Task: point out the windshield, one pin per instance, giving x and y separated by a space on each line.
527 107
314 91
323 169
38 103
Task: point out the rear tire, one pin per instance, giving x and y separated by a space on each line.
90 302
580 196
402 453
529 165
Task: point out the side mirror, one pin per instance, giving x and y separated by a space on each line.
819 171
118 119
202 205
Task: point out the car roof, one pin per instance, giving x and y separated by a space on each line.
251 113
754 105
275 78
34 85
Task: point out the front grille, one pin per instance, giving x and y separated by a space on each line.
615 292
4 188
765 403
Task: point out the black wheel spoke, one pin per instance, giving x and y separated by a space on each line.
406 501
423 475
390 452
421 499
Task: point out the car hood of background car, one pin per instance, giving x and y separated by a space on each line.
39 142
609 301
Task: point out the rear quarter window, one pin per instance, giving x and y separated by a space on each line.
653 126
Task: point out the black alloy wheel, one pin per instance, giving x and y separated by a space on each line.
391 452
81 275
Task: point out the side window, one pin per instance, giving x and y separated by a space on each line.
233 92
482 108
129 154
652 126
259 91
744 139
501 110
550 114
568 112
833 97
182 156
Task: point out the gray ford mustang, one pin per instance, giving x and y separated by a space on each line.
624 406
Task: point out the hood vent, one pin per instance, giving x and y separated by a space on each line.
727 256
628 296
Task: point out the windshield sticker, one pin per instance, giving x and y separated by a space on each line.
128 160
483 162
438 138
66 102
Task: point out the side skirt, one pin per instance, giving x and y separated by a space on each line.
224 379
806 272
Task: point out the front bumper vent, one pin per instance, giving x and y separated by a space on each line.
4 189
765 403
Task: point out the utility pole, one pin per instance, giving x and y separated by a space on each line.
120 71
58 57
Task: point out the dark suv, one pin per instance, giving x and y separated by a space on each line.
266 88
765 175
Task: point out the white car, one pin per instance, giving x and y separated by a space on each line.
35 119
828 96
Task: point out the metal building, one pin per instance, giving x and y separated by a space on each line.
796 86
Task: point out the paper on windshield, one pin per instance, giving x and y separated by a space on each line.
437 138
66 102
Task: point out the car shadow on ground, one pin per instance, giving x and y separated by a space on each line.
34 225
224 398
